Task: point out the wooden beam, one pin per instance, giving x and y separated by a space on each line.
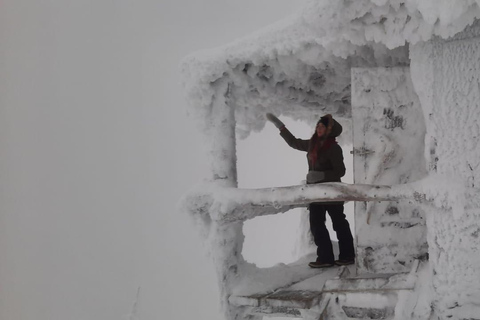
234 204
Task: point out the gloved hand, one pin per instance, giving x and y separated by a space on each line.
279 124
315 176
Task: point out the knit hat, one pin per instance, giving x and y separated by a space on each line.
323 120
327 121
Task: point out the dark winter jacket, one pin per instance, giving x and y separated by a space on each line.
328 159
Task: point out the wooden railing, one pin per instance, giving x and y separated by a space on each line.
230 204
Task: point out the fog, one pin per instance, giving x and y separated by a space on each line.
96 152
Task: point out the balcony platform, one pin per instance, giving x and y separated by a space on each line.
336 292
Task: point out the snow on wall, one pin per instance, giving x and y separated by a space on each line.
299 66
446 77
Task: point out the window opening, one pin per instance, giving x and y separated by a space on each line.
264 160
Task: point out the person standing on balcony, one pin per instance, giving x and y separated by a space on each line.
325 164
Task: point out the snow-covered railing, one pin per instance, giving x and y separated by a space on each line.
229 204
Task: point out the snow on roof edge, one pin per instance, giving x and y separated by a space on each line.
339 27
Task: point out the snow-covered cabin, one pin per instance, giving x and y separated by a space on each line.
402 77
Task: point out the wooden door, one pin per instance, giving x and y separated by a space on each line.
388 139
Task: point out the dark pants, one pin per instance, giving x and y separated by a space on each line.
322 237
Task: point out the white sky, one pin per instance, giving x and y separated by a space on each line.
96 152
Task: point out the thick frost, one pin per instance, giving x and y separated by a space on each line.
446 79
300 66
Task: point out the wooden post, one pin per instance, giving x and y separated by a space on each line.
223 154
226 239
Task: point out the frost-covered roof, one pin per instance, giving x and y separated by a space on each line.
300 66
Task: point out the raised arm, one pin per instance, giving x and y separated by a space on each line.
293 142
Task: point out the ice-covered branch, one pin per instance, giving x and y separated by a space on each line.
233 204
